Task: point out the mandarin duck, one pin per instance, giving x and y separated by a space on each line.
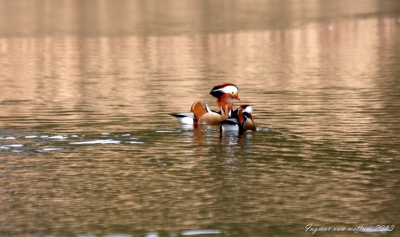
225 95
241 121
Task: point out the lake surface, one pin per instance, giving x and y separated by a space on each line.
88 148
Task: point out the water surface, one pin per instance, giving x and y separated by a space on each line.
88 148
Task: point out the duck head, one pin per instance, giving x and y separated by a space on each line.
225 95
227 89
245 118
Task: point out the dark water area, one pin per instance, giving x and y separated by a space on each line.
88 148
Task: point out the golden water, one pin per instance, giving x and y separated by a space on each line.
88 148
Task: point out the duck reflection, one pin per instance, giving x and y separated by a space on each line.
233 147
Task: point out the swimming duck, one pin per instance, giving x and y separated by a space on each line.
199 115
225 94
241 120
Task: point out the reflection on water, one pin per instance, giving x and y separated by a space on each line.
87 146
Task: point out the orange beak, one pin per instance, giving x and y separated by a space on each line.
238 98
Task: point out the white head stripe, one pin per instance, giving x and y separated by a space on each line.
229 89
248 109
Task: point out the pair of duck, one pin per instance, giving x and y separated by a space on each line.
239 120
